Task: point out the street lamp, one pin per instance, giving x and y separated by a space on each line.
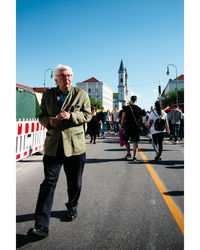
45 75
176 80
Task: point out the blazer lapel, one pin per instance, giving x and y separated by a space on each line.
57 98
67 100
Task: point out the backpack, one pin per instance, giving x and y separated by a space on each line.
159 123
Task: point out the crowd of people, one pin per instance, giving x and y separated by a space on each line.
102 122
132 121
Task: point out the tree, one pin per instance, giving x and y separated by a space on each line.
93 102
170 98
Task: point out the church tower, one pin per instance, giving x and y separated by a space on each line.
123 85
126 85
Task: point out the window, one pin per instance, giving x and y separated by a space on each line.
89 90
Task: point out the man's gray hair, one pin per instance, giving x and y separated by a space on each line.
60 67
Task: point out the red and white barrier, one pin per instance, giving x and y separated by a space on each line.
29 139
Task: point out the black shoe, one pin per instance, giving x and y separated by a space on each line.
135 160
90 141
39 232
71 213
128 156
94 142
158 158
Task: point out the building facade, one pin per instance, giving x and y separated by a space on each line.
171 85
98 90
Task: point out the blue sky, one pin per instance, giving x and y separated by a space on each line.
93 36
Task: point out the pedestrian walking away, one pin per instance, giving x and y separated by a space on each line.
63 111
108 120
158 124
115 116
102 118
93 126
175 116
120 115
133 115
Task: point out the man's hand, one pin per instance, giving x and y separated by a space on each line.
64 115
54 122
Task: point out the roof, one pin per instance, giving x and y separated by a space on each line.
121 67
92 79
181 77
40 90
24 87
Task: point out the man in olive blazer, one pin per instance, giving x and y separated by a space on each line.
77 104
64 110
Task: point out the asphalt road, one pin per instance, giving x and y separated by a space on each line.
120 206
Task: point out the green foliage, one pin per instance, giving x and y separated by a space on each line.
170 98
99 104
94 102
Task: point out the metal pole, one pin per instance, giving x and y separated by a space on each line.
176 82
45 75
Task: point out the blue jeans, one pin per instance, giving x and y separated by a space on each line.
103 129
116 127
73 167
175 132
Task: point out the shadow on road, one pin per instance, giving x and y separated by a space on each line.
22 239
31 161
94 160
174 193
115 149
151 149
30 217
168 162
177 167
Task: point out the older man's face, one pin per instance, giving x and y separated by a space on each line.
64 80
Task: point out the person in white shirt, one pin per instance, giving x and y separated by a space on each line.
158 135
115 117
175 117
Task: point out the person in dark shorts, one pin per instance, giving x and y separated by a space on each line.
93 125
132 114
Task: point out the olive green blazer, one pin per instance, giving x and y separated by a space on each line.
78 104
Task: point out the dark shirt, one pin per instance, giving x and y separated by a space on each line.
120 113
94 123
102 116
130 121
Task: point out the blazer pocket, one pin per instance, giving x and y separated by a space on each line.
74 140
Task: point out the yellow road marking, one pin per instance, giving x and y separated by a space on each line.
169 201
